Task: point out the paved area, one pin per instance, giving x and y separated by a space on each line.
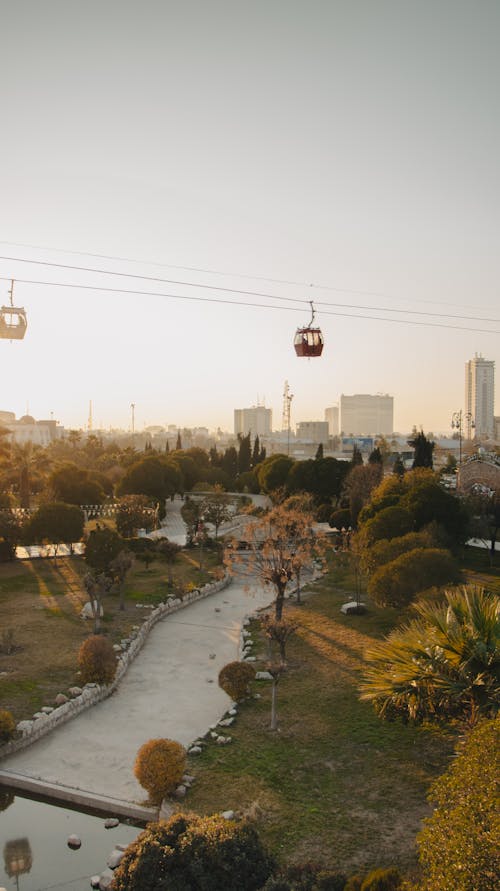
170 690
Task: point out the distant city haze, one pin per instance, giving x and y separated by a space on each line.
179 182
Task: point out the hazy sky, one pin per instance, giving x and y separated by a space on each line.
349 144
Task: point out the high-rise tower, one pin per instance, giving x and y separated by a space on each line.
479 397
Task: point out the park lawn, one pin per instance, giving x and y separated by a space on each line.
40 602
335 784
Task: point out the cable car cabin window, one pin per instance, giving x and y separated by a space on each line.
13 323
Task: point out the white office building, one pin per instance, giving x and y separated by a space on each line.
363 414
256 420
479 398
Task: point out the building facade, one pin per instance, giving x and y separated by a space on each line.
363 414
332 419
312 431
479 398
256 420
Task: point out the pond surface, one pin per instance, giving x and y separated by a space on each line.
34 851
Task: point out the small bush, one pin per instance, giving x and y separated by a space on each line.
382 880
235 679
97 660
159 766
7 725
190 852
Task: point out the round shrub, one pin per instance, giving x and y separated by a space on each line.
235 679
189 852
382 880
159 766
7 725
97 660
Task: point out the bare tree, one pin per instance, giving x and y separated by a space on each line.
119 567
279 632
273 548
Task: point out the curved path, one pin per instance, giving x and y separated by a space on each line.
170 690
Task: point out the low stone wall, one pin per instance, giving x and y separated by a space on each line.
93 693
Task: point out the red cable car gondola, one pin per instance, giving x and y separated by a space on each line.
13 321
308 341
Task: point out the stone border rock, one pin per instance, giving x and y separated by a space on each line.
93 693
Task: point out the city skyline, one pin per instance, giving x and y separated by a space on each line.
170 206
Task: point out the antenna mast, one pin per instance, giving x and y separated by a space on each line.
285 421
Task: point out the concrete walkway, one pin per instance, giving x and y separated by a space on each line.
170 690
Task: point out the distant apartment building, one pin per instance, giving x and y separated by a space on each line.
312 431
479 398
256 420
363 414
332 419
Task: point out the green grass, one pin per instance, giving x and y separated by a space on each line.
335 784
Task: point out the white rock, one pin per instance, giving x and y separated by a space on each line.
111 822
61 699
75 691
119 847
24 727
233 711
181 790
94 881
105 879
115 858
187 779
228 815
263 676
87 611
74 842
352 607
250 658
226 722
47 709
194 750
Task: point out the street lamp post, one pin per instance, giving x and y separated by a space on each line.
457 419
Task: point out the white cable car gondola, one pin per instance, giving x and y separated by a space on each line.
13 321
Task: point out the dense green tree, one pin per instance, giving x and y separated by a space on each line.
229 463
74 485
157 477
103 545
443 665
273 472
119 567
319 452
55 523
169 552
399 468
423 450
11 534
391 522
375 456
386 549
134 512
460 844
396 583
192 853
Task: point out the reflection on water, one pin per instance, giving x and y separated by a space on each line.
36 857
17 858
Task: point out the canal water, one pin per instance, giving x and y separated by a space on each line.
33 845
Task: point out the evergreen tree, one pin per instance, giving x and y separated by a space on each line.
423 450
178 444
375 456
319 452
357 457
244 453
399 468
167 447
256 451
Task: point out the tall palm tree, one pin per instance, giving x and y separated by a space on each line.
22 466
443 665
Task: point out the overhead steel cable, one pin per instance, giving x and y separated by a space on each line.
264 295
252 305
277 281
